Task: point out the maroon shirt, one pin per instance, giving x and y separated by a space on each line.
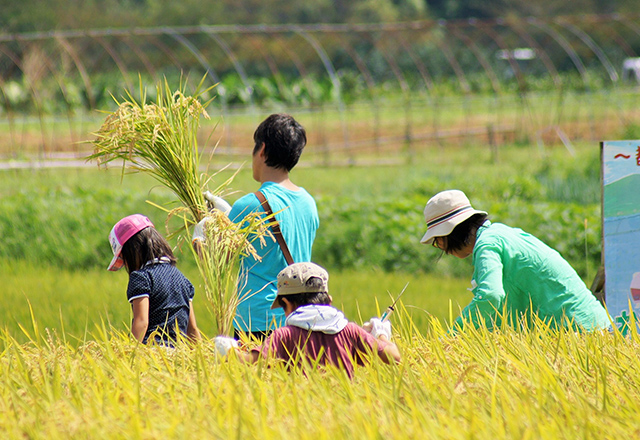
291 343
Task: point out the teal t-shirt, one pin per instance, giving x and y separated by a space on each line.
297 214
517 273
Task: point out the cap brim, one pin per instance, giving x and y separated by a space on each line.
428 237
438 231
116 263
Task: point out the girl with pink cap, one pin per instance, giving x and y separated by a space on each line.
160 295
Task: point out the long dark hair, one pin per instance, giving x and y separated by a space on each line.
145 246
464 233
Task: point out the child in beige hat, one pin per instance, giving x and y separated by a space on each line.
314 330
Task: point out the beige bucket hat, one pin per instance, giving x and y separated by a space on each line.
444 212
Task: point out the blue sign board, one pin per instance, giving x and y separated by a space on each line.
621 228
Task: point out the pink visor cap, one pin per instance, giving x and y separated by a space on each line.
123 231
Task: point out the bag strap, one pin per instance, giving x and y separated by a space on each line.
275 227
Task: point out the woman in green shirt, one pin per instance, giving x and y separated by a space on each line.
514 273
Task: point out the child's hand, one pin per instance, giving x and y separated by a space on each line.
224 344
378 328
215 202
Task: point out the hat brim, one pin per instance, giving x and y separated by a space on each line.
116 263
275 304
443 229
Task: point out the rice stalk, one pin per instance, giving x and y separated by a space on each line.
218 258
536 383
159 139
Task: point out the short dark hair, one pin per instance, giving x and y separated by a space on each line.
283 138
145 246
305 299
464 233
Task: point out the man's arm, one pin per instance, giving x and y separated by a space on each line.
250 357
225 345
378 333
140 322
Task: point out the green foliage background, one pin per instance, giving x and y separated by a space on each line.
39 15
370 217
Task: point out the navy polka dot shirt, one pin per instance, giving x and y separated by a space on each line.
170 294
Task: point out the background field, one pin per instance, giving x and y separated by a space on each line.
55 222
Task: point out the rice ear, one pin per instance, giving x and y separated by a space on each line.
159 139
218 258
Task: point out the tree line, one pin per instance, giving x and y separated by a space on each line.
45 15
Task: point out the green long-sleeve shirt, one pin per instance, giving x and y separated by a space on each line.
517 273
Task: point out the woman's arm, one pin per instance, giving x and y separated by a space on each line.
488 291
140 317
192 328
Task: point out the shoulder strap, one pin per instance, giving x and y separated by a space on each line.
275 227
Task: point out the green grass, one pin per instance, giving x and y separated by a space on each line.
74 303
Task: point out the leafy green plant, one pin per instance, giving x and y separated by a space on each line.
67 226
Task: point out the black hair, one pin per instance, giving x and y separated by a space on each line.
464 233
145 246
305 299
283 138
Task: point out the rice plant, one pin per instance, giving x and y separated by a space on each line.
510 383
218 257
159 139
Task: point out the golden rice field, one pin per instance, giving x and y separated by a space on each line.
70 370
501 385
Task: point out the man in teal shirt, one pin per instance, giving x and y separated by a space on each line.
514 272
278 144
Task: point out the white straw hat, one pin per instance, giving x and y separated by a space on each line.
444 212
